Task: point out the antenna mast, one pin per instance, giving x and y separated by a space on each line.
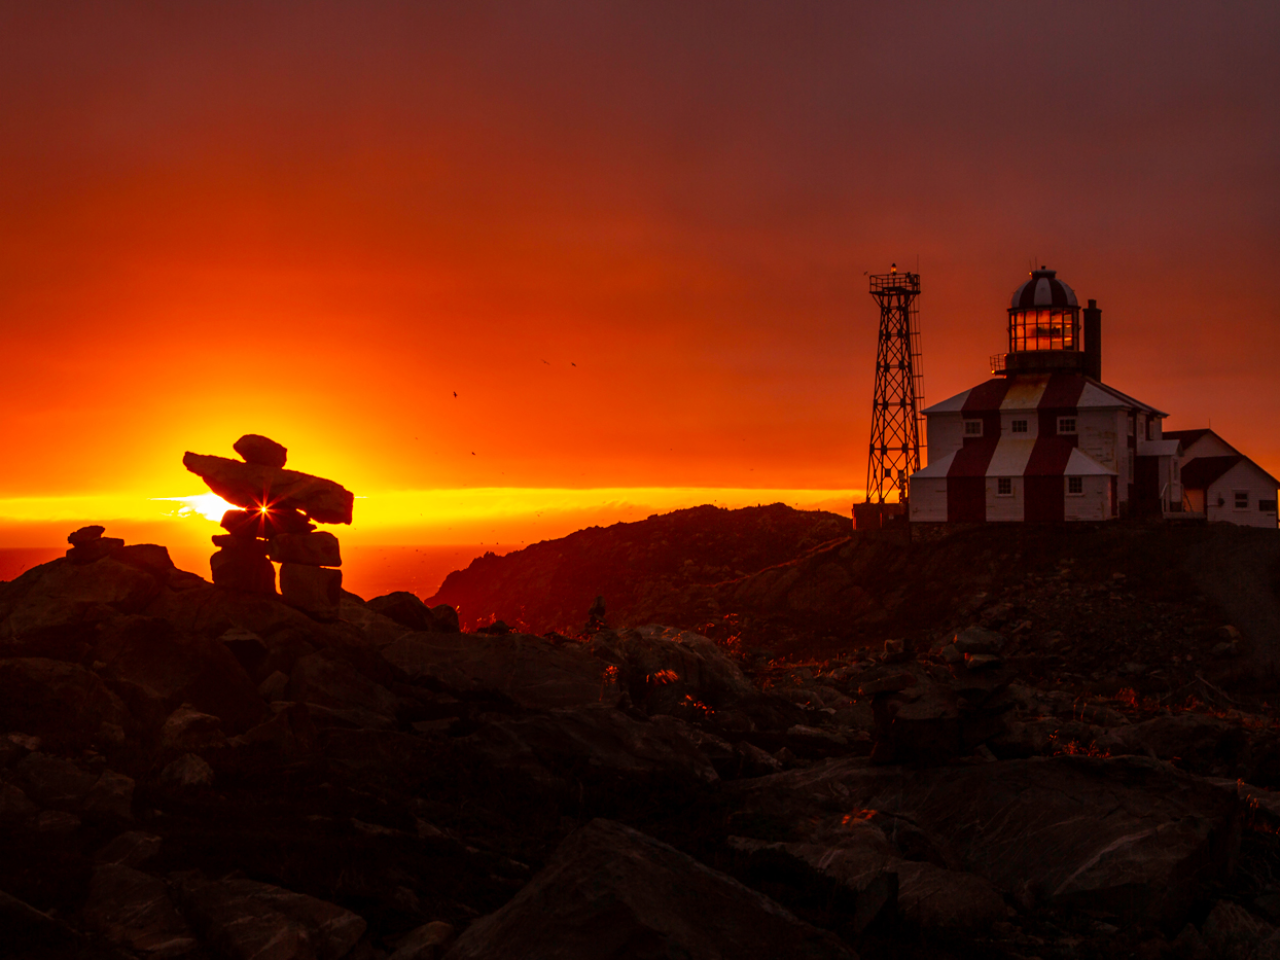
899 392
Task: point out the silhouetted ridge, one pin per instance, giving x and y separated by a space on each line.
550 585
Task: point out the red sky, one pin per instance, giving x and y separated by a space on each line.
317 221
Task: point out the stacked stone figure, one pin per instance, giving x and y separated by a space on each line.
277 519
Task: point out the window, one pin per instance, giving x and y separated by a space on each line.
1019 426
1004 487
1075 486
1066 424
973 428
1267 506
1242 499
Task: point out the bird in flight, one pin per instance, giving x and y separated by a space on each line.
473 453
572 364
455 393
547 362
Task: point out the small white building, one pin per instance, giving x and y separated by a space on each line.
1046 440
1221 483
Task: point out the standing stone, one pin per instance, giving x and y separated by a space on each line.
314 590
258 449
312 549
243 569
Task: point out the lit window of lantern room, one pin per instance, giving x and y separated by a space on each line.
1043 328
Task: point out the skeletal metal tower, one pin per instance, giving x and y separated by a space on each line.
899 393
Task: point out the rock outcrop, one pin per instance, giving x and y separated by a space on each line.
611 891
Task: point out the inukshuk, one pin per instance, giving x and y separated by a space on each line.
278 512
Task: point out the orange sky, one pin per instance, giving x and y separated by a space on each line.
317 221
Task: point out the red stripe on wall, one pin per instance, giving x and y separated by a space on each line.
967 481
1061 399
983 403
1043 479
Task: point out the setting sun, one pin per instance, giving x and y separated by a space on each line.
208 505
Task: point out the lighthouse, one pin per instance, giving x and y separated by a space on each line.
1045 439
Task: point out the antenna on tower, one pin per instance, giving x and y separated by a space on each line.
894 451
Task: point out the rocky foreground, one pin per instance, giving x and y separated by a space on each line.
188 771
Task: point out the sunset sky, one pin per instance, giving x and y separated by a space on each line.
631 237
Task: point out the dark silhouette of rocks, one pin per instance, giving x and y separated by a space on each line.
260 450
275 523
637 566
188 770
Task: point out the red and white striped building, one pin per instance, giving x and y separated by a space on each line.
1045 439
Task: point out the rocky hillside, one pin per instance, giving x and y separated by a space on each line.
188 771
634 566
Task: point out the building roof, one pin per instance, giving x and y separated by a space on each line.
1008 457
1043 290
1188 437
1168 447
1039 392
1200 472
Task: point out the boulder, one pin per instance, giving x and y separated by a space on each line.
405 609
61 703
756 762
1129 836
1199 742
53 782
248 485
1232 931
133 910
243 569
173 669
853 870
85 535
247 920
93 550
254 448
427 942
62 593
599 737
611 891
188 772
946 901
446 618
130 849
330 682
110 796
316 591
313 549
663 668
978 640
188 730
14 803
529 670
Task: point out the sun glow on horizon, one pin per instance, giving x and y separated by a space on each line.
207 505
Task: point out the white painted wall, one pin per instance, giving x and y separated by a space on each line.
1243 476
1102 433
1012 508
1006 424
946 434
929 500
1094 504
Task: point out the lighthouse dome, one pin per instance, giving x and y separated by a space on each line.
1043 290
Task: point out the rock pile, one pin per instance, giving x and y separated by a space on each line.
278 512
